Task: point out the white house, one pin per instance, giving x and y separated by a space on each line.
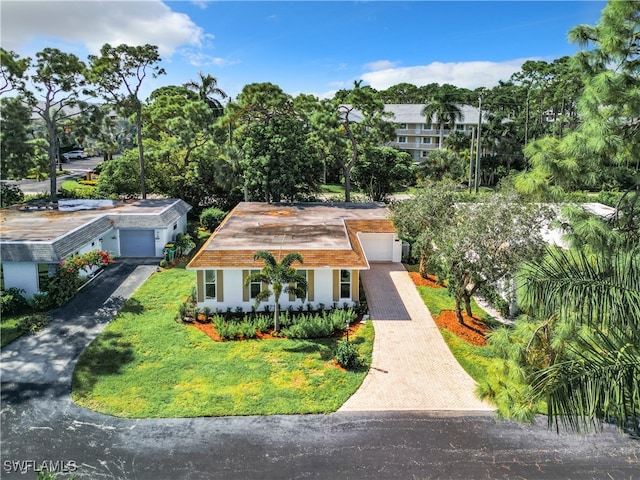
336 242
34 239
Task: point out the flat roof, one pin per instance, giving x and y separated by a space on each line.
45 223
324 233
48 232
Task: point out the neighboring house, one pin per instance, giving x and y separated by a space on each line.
336 241
34 239
419 136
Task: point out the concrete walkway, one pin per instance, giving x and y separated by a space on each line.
412 367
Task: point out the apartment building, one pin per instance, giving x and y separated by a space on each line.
418 136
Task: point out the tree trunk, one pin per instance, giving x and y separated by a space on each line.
347 183
53 162
459 310
441 140
422 268
276 317
467 303
143 188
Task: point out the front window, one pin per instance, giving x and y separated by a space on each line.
460 128
428 126
209 284
345 283
255 287
402 139
403 126
426 139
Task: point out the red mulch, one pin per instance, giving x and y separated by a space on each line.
210 330
447 318
420 281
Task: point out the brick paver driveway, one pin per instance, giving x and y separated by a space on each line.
412 367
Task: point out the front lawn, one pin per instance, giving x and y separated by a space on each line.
145 364
75 188
14 326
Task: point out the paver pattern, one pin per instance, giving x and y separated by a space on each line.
412 367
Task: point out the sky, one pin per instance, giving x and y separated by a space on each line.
306 46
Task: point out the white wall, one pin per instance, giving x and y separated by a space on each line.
233 288
111 242
23 275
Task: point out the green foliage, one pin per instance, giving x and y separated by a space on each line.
15 326
576 350
12 301
380 171
346 354
443 164
64 284
210 218
280 277
10 194
120 177
16 151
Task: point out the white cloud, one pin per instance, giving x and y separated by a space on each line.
380 65
461 74
199 59
92 23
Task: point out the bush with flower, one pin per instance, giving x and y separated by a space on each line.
64 284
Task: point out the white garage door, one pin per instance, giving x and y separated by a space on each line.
378 247
137 243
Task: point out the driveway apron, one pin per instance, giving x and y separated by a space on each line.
412 367
49 356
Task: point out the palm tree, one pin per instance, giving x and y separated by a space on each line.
206 89
280 277
598 380
446 112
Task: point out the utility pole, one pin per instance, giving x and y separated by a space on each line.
473 139
478 142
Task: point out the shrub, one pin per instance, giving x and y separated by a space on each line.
211 218
10 195
12 301
41 302
346 354
164 263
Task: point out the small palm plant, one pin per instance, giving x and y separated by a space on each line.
280 277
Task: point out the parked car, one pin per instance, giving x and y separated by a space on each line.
74 155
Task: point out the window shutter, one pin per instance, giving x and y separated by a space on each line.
336 285
219 286
245 287
355 285
200 285
310 285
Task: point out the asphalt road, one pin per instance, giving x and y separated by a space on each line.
39 424
77 168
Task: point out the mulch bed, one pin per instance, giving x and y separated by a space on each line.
470 332
430 281
210 330
447 319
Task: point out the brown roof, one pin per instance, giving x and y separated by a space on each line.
324 234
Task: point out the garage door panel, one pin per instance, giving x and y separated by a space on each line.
378 247
137 243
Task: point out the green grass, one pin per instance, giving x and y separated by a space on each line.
14 326
145 364
332 188
438 299
73 186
